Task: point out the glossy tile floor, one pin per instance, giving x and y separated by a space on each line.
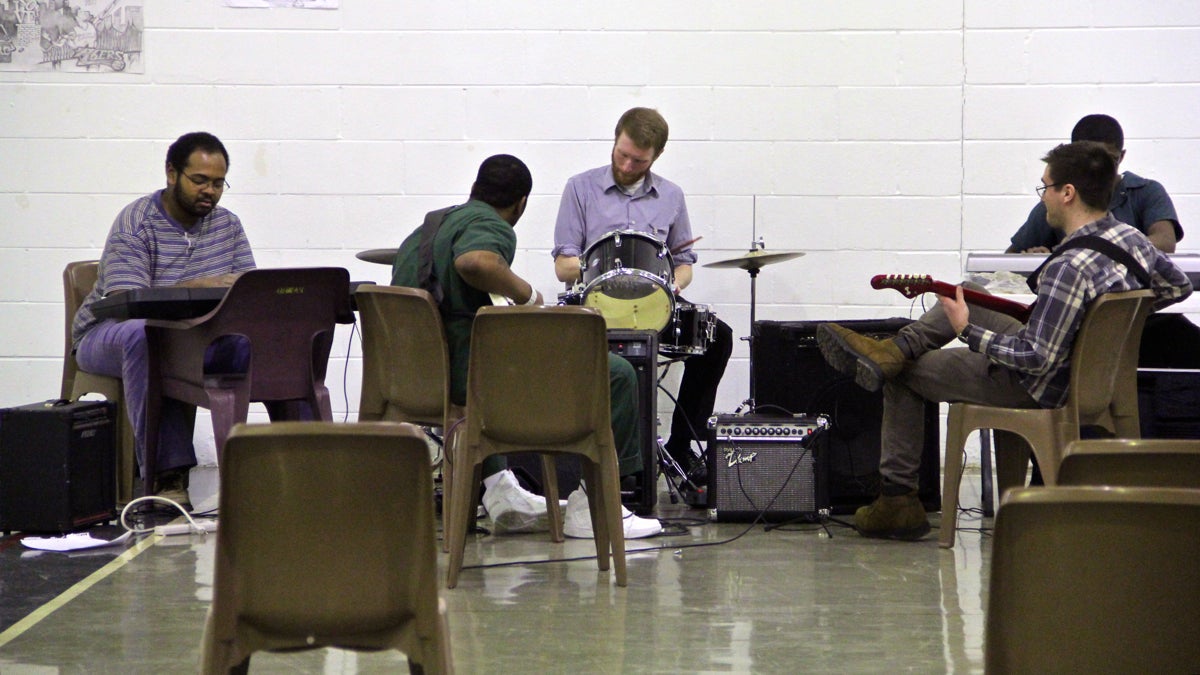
713 598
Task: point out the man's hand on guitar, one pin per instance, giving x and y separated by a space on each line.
956 310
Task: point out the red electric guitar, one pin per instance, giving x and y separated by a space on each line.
913 285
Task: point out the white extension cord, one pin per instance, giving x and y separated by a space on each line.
200 527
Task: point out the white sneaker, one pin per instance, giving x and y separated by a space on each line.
513 508
577 521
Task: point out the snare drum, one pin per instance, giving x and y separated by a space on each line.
627 277
690 330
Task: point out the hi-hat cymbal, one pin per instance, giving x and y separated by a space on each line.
383 256
756 259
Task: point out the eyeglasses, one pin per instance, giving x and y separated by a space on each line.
218 184
1041 189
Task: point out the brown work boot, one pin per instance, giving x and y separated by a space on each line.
868 360
899 517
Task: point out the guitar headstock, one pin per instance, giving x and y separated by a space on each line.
909 285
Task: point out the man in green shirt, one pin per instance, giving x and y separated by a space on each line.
471 254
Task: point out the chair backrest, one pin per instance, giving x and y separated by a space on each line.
538 375
1089 579
1132 463
288 315
327 538
79 278
1104 355
406 369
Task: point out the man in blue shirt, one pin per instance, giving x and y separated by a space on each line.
1136 201
1169 340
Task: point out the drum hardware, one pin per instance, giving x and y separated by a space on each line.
752 261
680 488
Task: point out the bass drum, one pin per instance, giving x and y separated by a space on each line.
690 330
627 277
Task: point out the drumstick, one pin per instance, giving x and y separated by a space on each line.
685 244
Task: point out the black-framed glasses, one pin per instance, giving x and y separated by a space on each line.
1041 189
218 184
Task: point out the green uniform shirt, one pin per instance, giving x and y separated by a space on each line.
474 226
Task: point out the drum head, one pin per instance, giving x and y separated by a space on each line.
631 299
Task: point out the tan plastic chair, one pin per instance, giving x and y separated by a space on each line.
538 382
1102 391
78 280
406 370
1095 580
326 539
1132 463
287 315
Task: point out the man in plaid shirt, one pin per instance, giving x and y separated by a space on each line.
1006 363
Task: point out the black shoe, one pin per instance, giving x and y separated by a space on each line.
694 468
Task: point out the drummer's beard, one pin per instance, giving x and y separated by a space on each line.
626 179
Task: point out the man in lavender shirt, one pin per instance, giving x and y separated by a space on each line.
626 195
175 236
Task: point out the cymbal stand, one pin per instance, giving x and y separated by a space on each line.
749 402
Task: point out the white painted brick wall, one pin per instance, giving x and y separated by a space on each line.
877 137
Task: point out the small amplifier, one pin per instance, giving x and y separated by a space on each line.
57 466
766 467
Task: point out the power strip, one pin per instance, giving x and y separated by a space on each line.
201 527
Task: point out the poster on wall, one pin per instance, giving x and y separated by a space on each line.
298 4
71 36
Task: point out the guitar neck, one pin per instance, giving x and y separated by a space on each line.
1017 310
912 286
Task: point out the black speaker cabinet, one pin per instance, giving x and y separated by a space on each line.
640 348
57 466
766 468
639 493
791 377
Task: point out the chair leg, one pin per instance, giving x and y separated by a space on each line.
955 440
550 485
456 522
228 406
594 483
615 528
449 448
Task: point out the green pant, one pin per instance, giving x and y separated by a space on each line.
622 381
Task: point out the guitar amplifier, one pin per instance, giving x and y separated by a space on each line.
791 376
57 466
766 468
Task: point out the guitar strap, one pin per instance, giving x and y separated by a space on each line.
426 275
1100 245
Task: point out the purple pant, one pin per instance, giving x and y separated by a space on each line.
118 349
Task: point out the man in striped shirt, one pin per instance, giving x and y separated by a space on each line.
175 236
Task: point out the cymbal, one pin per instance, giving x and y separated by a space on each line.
756 259
383 256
